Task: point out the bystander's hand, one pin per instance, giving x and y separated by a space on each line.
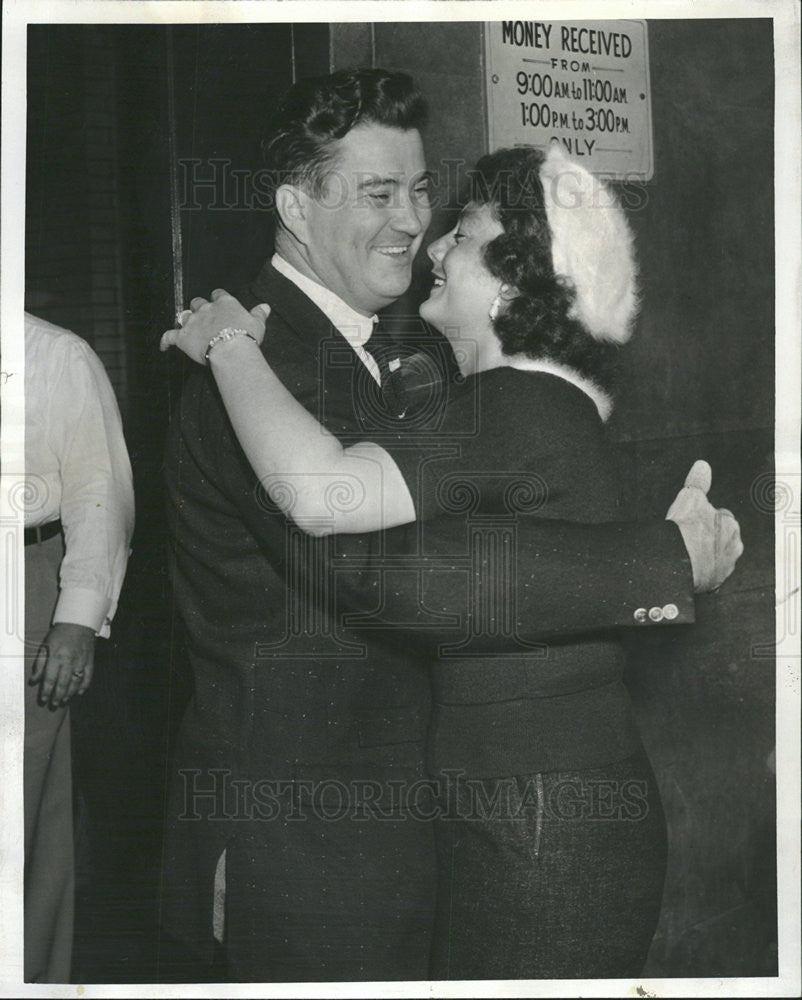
712 536
64 663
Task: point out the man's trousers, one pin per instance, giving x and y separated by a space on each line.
49 860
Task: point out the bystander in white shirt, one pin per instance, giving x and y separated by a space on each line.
77 468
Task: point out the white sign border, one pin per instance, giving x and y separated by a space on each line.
639 176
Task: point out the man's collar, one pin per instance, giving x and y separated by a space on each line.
355 327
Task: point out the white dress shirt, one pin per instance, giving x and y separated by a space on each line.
355 327
77 469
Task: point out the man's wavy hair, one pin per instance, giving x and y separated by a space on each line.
537 321
317 111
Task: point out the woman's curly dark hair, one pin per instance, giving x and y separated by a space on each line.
537 321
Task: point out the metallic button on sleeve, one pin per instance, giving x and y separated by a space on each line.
656 614
640 615
670 612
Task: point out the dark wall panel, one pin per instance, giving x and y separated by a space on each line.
706 235
73 253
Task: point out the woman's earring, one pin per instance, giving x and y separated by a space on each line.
495 305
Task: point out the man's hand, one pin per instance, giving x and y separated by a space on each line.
712 537
64 662
204 320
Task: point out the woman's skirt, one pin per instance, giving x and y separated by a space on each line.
556 875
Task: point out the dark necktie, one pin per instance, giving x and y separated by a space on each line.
383 351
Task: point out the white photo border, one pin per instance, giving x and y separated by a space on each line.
17 15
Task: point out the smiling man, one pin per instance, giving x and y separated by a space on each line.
359 227
287 711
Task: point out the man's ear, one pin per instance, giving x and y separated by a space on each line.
291 205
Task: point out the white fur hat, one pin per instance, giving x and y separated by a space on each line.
592 246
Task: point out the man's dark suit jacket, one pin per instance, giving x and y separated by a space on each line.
338 885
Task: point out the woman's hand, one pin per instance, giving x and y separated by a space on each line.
199 324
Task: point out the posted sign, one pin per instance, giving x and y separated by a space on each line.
585 83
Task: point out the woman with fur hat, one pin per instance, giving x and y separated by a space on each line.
550 833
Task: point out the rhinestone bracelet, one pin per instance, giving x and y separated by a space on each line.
229 333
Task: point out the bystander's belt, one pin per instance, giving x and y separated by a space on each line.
35 536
